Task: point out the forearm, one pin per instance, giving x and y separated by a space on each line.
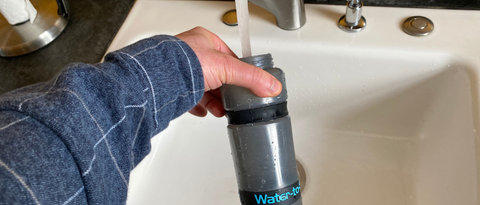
105 114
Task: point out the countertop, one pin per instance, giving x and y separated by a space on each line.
92 27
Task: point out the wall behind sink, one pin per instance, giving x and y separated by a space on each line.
444 4
437 4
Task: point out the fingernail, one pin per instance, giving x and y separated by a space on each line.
276 87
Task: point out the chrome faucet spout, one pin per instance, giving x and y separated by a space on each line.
354 3
290 14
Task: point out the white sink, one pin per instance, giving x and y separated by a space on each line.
379 117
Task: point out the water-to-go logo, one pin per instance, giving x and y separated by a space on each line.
284 196
276 198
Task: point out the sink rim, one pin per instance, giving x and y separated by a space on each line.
264 30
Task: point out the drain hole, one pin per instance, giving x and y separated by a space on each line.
302 175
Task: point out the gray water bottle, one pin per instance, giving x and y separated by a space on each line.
261 141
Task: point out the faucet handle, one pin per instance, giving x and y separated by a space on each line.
353 21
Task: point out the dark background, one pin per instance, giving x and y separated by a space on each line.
94 23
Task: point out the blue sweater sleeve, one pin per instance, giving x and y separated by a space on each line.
76 138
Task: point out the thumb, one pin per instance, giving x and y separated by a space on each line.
260 82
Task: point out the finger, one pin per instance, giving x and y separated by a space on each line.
216 108
220 45
260 82
212 104
217 93
198 111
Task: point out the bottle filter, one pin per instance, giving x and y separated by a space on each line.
261 141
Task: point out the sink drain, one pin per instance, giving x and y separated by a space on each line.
302 175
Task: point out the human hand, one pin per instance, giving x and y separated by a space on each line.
221 66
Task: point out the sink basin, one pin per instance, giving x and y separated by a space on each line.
379 117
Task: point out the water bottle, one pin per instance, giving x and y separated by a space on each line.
260 134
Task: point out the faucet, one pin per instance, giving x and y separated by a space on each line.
290 14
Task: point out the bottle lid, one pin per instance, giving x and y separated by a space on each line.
237 98
263 61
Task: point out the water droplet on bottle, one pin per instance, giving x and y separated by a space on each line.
263 181
238 104
249 101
